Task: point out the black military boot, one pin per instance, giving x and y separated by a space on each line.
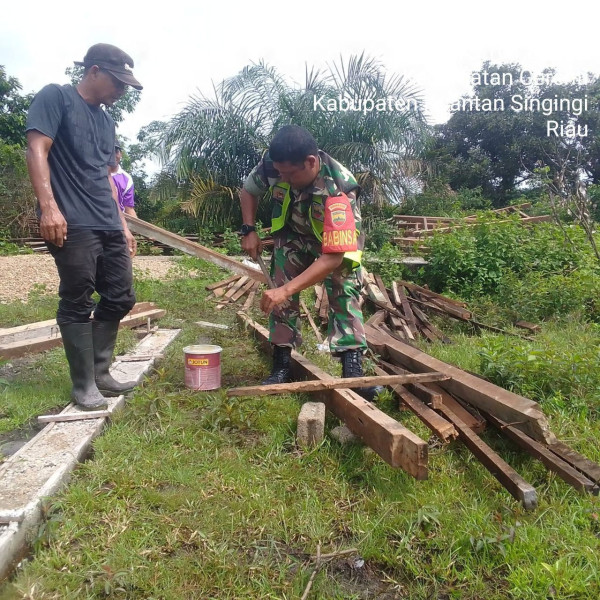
281 372
78 344
105 337
352 367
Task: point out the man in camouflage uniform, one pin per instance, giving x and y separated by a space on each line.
316 227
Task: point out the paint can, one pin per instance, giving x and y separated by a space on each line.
203 367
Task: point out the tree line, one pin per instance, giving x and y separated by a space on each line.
496 147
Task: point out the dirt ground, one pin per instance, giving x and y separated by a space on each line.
19 275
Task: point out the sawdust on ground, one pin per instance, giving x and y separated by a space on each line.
21 275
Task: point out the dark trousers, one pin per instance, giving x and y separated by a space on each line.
91 261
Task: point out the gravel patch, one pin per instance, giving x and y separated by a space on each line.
20 275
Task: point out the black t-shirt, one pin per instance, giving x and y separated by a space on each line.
84 145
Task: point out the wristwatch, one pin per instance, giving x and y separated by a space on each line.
246 229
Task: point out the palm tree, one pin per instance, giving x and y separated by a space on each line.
213 143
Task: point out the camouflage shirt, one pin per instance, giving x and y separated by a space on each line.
332 179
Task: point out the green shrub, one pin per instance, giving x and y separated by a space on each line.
473 261
231 242
565 371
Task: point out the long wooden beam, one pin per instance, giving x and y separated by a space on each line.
397 445
499 468
442 428
54 339
552 462
332 383
516 410
180 243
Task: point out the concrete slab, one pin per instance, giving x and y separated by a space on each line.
43 465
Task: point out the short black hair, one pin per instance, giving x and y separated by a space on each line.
292 143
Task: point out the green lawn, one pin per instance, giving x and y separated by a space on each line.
193 495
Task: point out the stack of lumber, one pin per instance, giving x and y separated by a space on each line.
453 404
36 337
469 402
414 228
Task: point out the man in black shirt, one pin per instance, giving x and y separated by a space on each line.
70 145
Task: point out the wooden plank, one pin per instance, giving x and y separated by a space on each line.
312 322
180 243
219 284
318 296
79 416
376 318
382 288
589 468
431 398
527 325
441 308
429 331
505 405
250 300
475 422
402 301
440 426
237 290
418 288
332 383
20 348
242 290
500 469
50 328
555 464
221 291
396 445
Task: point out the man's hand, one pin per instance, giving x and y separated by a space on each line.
271 299
131 242
252 244
53 227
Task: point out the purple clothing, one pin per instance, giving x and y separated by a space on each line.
124 184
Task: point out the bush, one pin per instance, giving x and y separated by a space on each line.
474 261
546 370
439 200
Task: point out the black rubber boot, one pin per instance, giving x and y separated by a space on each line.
105 338
352 367
78 344
282 372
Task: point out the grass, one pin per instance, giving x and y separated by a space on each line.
193 495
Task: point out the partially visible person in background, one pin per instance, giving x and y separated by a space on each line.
124 184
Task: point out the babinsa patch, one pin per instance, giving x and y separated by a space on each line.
338 213
339 228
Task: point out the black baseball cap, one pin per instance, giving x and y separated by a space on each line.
111 59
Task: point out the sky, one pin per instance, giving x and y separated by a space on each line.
183 48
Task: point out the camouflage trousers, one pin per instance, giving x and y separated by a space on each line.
293 254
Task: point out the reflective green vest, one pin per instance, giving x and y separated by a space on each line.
279 218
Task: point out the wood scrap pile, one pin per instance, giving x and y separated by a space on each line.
231 290
414 228
400 309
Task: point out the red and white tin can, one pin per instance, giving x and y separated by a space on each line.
203 367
